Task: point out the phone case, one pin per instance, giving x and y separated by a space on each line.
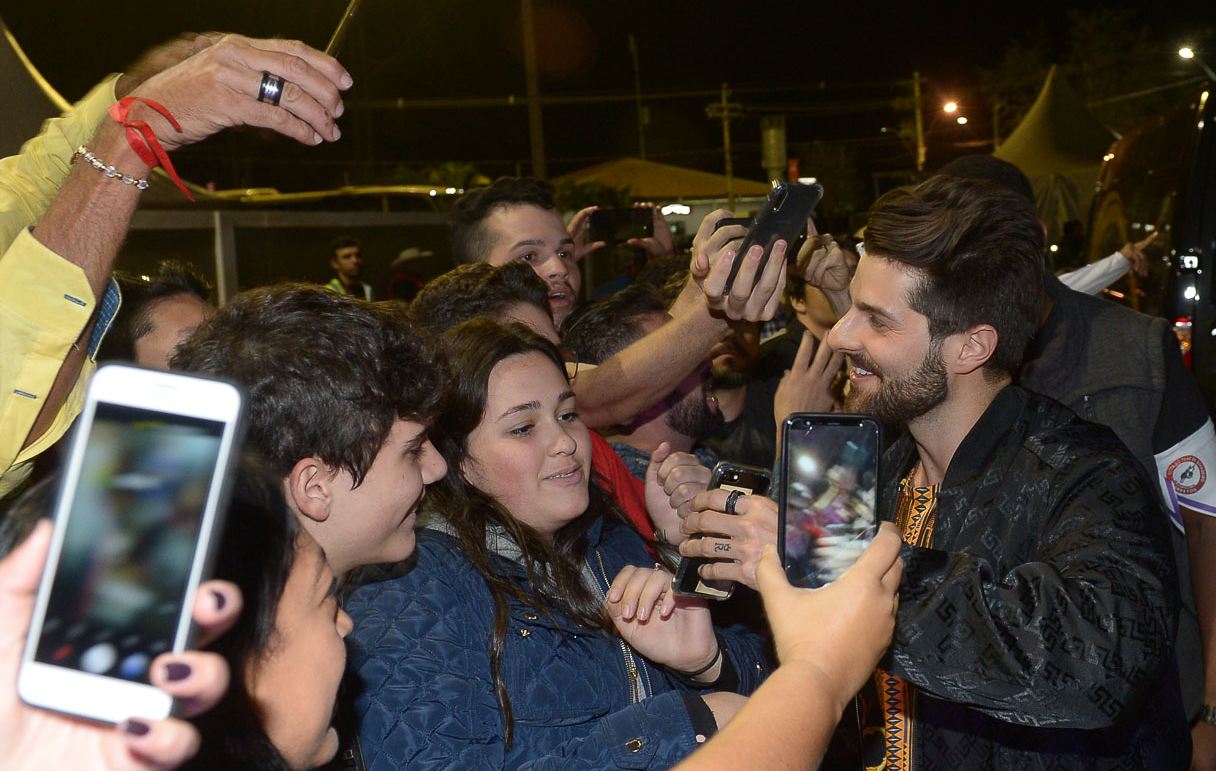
828 506
682 584
783 219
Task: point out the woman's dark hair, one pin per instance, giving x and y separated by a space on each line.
256 553
554 569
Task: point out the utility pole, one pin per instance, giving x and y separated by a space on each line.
637 93
920 122
727 111
536 129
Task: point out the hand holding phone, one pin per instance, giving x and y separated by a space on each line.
616 226
747 480
783 218
829 486
37 739
143 491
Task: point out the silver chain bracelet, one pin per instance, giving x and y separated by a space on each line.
108 170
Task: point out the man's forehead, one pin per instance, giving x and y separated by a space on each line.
511 225
883 283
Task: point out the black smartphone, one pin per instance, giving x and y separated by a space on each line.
783 218
616 226
748 480
827 509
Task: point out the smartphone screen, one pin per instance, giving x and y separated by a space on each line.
727 476
133 527
829 478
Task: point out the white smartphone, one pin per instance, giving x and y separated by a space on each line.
143 490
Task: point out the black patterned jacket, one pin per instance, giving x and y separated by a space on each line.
1038 628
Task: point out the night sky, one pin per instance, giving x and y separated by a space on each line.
826 55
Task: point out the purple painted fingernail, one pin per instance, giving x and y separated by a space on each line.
135 727
176 671
220 599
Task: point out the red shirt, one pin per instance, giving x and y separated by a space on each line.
626 489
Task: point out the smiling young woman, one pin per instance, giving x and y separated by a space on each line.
535 623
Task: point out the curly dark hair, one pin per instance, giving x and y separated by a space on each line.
469 237
477 290
978 248
327 374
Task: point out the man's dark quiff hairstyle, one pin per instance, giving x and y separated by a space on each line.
327 374
477 290
978 248
600 329
140 296
470 241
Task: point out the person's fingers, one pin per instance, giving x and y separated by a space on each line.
196 678
770 578
711 547
715 279
882 552
217 604
706 228
711 500
1148 241
631 593
745 281
776 295
728 571
327 65
21 570
652 592
305 78
158 744
618 584
806 348
295 101
683 474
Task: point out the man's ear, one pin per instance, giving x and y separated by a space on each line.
309 488
798 302
972 349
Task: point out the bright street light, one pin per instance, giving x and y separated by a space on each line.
950 107
962 120
1188 53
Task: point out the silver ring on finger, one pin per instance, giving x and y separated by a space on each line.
731 500
271 89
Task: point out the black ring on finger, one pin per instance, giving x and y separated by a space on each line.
271 89
731 500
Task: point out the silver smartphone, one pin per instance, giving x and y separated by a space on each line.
141 495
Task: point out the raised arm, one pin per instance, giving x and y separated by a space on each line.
640 375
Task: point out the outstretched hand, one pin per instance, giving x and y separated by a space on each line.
33 738
843 628
217 88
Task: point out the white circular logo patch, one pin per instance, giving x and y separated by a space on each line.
1187 474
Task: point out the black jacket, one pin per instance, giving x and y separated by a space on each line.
1038 628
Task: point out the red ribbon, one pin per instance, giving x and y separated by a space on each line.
143 139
